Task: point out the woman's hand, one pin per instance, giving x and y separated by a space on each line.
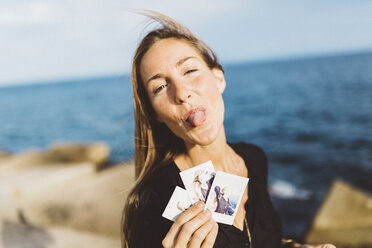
193 228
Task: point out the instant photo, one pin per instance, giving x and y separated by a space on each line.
225 195
198 181
178 203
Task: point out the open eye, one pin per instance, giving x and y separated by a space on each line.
157 90
190 71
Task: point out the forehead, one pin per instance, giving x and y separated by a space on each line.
165 53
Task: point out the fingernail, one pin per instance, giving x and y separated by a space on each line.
207 212
200 204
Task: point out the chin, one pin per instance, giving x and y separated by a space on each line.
206 137
204 142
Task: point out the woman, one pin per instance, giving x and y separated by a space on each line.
179 113
223 204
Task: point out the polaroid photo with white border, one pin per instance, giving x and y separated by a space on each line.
198 181
178 203
225 196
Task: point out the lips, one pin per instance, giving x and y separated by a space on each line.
195 117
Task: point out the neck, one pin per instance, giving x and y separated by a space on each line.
219 152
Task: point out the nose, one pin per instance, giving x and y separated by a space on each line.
182 92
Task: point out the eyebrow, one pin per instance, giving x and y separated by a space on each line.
181 61
178 64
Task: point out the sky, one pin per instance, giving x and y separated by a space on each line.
44 41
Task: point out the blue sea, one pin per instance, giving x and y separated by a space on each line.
312 116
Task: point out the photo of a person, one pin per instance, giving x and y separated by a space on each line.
223 202
225 196
202 183
198 181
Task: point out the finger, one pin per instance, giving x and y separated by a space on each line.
190 227
200 235
211 237
184 217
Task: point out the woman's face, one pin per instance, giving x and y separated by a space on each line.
185 94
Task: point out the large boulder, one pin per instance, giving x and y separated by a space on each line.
58 154
92 202
38 170
13 185
97 153
344 219
4 154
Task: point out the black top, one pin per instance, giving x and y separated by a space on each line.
264 223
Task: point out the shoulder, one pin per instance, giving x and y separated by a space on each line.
164 176
159 186
152 194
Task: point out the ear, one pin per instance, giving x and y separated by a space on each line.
220 82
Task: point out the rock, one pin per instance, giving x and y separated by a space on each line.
17 235
4 154
92 202
59 154
15 184
344 219
61 187
98 153
33 170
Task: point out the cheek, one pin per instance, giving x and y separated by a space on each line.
211 92
217 103
208 85
162 109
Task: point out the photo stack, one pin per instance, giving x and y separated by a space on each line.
221 192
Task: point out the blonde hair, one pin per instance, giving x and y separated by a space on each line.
155 144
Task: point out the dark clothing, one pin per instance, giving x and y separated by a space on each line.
263 221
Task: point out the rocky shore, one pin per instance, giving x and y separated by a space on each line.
66 196
69 196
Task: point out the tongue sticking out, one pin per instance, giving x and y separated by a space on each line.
196 118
